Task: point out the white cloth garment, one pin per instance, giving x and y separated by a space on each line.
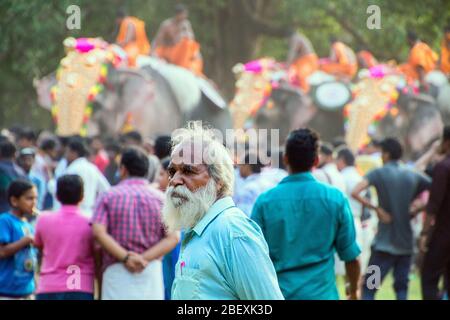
330 174
363 235
120 284
94 183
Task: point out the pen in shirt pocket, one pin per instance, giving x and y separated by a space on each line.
182 265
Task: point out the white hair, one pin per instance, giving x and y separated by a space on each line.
214 154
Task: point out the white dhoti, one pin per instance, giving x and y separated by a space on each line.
120 284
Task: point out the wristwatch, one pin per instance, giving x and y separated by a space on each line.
124 260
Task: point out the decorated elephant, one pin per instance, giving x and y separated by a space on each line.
96 95
380 109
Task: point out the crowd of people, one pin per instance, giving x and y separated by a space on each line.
85 218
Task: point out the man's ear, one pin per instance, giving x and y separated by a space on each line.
316 162
285 160
13 201
122 170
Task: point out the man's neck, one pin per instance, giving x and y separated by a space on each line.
290 172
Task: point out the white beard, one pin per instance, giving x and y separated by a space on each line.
186 213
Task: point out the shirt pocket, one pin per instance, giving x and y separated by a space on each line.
186 285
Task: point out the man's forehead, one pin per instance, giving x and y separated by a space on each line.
189 153
182 165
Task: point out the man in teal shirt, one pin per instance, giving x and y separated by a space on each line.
305 222
223 253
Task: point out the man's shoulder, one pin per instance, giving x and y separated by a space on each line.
5 217
377 171
123 189
233 222
444 164
295 188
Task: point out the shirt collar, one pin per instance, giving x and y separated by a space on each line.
303 176
217 208
394 163
134 181
69 208
348 169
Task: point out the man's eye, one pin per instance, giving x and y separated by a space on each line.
171 172
188 170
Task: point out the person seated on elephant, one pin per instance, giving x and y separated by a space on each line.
302 60
421 60
366 59
175 42
342 62
444 61
132 37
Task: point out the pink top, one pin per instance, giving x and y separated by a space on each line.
101 160
67 243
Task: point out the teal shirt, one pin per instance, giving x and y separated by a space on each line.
225 257
305 222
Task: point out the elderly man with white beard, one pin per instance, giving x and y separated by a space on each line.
224 255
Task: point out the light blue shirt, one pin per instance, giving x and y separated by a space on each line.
225 257
305 222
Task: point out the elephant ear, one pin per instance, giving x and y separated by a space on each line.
183 83
210 92
43 90
113 88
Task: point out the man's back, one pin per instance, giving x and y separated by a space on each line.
66 238
131 211
396 187
93 180
352 178
304 221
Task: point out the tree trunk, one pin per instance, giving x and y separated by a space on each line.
237 29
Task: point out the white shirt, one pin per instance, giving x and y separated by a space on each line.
273 176
248 190
94 182
330 174
352 178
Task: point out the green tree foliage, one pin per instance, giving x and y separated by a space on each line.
230 31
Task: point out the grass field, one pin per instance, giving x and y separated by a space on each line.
386 291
